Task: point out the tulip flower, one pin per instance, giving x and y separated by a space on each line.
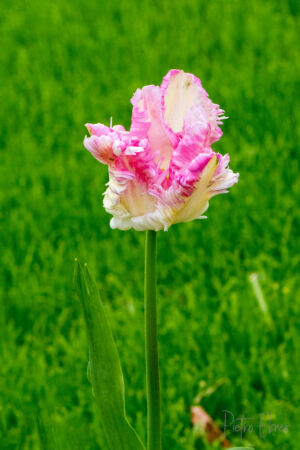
163 170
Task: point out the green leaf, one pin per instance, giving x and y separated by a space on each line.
104 367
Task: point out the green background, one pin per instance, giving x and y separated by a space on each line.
63 64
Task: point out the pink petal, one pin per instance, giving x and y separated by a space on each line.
180 92
97 129
147 121
194 141
100 147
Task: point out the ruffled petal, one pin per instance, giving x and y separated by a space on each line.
132 206
98 129
100 148
197 203
194 141
147 121
224 177
180 92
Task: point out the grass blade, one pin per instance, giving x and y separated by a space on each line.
260 298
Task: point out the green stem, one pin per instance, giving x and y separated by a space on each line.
152 369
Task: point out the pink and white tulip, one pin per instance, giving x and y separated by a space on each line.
163 170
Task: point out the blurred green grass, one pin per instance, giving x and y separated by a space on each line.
63 64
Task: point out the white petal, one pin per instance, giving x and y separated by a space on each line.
132 150
182 93
197 203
